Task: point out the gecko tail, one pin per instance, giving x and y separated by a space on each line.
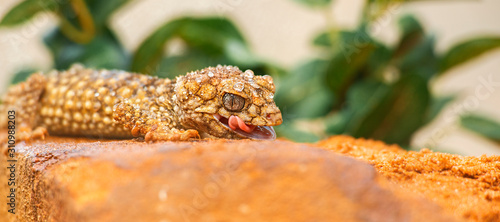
24 99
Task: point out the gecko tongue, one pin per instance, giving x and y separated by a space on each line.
237 125
235 122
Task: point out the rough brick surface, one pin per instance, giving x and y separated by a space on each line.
87 180
465 186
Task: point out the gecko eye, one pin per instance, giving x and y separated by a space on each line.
233 102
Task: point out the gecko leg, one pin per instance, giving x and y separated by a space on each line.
171 135
25 133
23 100
141 122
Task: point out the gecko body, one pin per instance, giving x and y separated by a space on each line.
216 102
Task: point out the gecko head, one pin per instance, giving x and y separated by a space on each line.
225 102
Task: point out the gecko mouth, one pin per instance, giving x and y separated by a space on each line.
237 125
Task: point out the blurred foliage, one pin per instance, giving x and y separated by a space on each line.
364 88
483 126
356 85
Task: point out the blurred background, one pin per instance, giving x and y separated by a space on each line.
416 73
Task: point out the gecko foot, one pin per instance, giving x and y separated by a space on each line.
26 134
171 135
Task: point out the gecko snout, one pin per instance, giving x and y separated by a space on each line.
274 119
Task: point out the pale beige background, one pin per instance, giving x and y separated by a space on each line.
281 30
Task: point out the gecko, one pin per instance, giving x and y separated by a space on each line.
215 102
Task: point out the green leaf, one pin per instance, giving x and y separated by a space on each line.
355 46
362 99
193 59
322 39
149 53
26 10
412 34
421 60
210 35
336 123
240 54
325 39
365 94
22 75
484 126
355 37
102 10
173 66
104 51
409 101
314 3
378 61
214 37
467 50
303 94
389 113
318 103
437 104
354 51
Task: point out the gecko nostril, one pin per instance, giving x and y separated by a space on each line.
268 116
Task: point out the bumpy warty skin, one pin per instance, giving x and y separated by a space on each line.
199 94
119 104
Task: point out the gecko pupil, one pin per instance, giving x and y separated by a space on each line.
233 102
